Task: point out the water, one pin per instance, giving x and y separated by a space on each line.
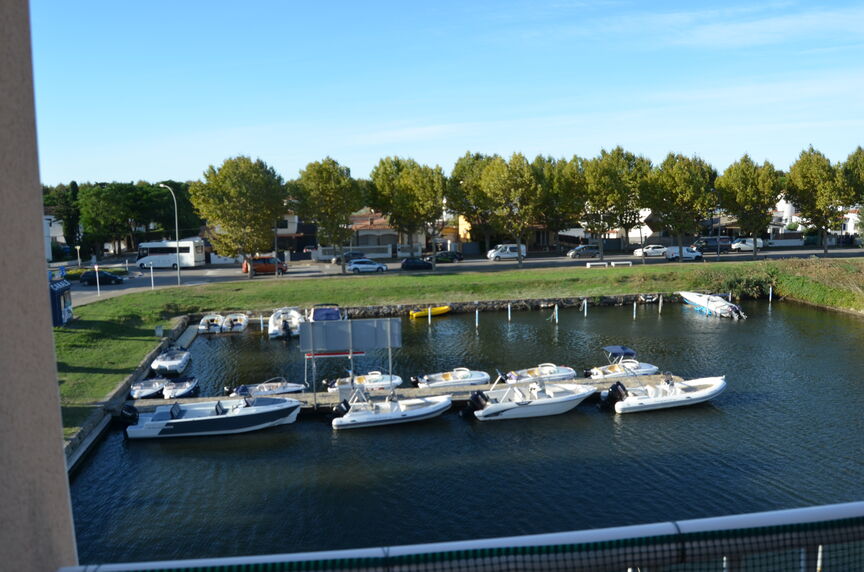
786 433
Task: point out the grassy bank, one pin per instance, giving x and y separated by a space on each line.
109 338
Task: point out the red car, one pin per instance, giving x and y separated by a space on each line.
266 265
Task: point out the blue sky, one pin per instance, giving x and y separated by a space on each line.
161 90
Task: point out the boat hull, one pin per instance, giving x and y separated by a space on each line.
457 377
373 381
435 310
546 372
434 406
170 363
624 368
494 411
689 393
226 424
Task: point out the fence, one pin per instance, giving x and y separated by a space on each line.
819 538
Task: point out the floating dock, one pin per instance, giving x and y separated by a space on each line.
325 401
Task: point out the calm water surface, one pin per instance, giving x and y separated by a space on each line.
786 433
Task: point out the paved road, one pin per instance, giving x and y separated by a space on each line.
141 281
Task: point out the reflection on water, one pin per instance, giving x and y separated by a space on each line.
784 434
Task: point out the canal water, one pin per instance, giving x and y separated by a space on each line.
786 433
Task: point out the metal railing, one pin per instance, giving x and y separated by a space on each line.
829 537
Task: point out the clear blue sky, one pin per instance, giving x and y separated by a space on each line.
162 89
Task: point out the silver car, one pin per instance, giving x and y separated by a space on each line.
359 265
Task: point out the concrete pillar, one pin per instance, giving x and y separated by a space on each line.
36 532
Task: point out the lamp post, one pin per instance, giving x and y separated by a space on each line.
78 252
176 228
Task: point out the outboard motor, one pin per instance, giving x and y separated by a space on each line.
616 392
129 415
226 390
414 381
586 373
342 408
476 402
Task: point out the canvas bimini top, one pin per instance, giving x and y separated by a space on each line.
619 351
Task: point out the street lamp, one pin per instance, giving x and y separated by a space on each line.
78 252
176 228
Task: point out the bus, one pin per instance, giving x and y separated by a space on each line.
163 254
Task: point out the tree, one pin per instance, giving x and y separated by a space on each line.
466 196
750 192
64 203
410 195
561 199
240 200
515 193
853 172
326 194
681 194
818 191
163 208
113 211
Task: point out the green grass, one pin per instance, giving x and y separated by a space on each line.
109 338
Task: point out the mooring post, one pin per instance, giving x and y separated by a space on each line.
508 312
634 309
476 317
660 311
770 293
556 313
152 286
429 315
585 307
261 321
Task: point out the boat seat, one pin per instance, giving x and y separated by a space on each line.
176 411
219 409
447 376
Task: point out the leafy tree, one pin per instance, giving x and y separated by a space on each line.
467 197
514 190
749 191
114 211
561 192
626 178
410 195
64 203
240 200
853 172
326 194
163 208
681 194
818 191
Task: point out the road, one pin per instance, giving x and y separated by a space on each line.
141 281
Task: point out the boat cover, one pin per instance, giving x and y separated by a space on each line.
620 351
321 314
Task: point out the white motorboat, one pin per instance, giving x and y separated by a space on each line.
147 388
210 418
285 322
211 324
372 381
667 393
362 411
172 361
713 305
235 322
621 364
534 399
543 372
180 387
458 376
324 312
274 386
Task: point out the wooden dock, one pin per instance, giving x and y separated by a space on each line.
325 401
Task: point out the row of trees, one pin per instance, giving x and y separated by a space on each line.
497 196
111 212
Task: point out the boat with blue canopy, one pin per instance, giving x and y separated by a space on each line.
622 363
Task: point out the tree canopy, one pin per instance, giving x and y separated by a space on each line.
750 192
467 197
326 194
241 201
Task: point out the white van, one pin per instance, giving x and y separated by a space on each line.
689 253
505 251
745 244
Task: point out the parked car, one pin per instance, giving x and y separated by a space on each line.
416 264
650 250
349 256
506 251
709 244
445 256
673 253
584 251
359 265
88 278
265 265
745 244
